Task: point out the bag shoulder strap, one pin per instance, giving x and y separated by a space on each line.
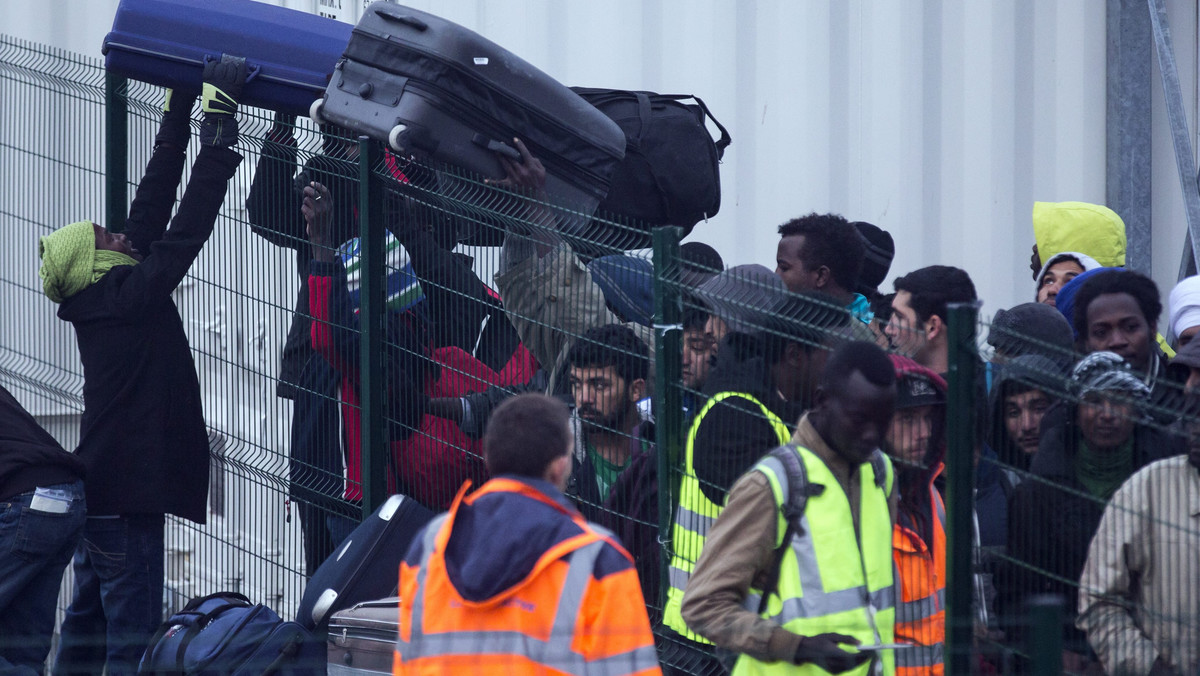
721 143
795 501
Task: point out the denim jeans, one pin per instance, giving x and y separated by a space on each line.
35 547
118 599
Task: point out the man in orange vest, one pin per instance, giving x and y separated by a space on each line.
915 442
513 580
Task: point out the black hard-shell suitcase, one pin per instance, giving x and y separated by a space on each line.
362 639
366 566
290 53
435 90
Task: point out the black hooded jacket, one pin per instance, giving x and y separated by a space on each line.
734 434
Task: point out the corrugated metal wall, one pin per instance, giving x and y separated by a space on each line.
939 121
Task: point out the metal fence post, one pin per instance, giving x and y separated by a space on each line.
116 151
374 449
667 397
960 485
1045 620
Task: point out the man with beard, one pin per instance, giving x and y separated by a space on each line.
915 443
614 474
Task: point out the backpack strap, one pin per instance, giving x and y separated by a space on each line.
882 469
799 489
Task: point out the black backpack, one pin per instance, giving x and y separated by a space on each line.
670 174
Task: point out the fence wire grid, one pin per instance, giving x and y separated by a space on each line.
1079 483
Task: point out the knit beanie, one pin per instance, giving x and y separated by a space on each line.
1107 372
1092 229
743 296
880 250
699 263
628 286
1064 302
1032 328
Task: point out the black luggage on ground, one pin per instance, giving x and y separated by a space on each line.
435 90
670 174
165 42
362 638
224 633
366 566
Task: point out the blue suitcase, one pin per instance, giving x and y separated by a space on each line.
291 54
366 565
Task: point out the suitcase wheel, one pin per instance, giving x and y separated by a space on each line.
314 111
394 137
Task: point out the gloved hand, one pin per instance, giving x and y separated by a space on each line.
176 125
223 84
823 651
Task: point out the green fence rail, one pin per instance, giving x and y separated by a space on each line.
320 406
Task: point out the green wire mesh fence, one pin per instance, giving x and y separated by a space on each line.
345 363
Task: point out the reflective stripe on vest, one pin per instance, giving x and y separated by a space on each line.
696 514
828 583
554 653
923 620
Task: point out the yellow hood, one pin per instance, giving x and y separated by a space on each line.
1090 229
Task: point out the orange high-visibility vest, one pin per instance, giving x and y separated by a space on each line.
921 612
559 620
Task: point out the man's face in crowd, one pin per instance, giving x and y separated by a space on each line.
699 347
905 330
912 431
1104 422
1023 418
603 398
859 416
110 241
1185 336
790 268
1115 323
1058 275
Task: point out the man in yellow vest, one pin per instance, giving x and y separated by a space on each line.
759 382
825 569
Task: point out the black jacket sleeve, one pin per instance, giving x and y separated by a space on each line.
150 210
169 256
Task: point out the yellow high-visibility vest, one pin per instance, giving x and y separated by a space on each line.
696 513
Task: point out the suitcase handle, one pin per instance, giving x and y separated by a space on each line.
498 147
389 14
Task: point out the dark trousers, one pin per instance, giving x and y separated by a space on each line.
118 599
37 538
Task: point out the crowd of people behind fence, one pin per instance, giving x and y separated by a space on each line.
808 522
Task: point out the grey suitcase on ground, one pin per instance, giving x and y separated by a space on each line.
442 93
362 638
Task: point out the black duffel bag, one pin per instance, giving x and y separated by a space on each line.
670 174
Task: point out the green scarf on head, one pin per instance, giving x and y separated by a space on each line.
71 262
1103 472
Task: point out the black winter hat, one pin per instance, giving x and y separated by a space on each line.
880 250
